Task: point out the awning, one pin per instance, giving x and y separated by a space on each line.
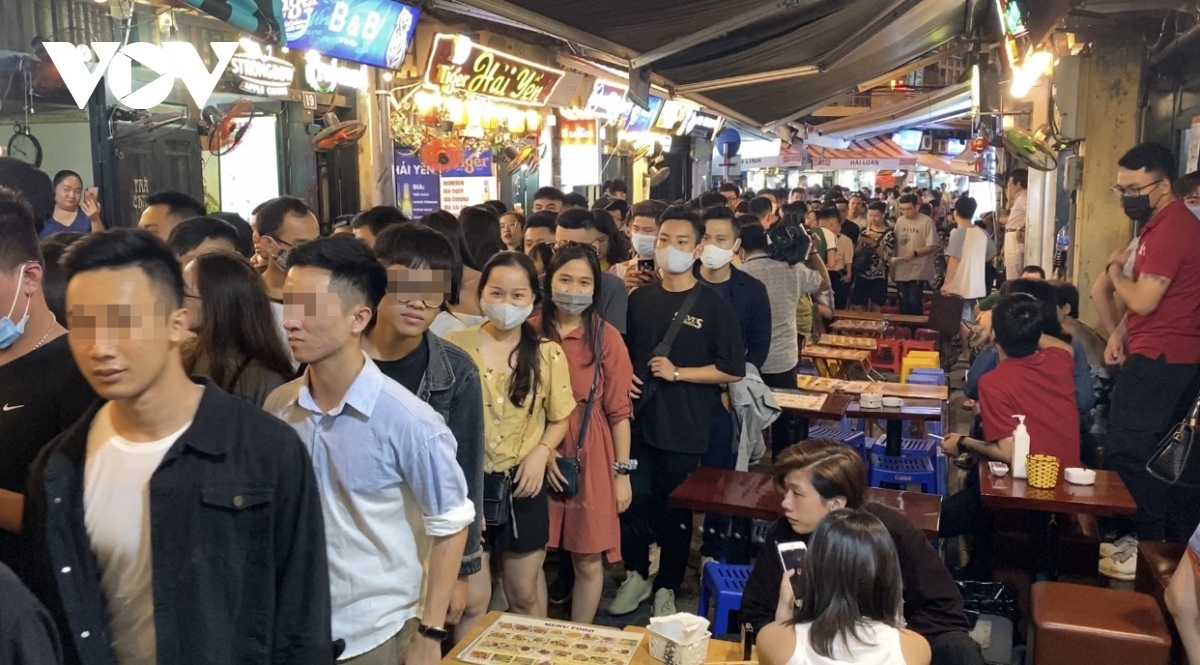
867 155
949 102
932 161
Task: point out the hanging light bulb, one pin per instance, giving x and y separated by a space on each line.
461 50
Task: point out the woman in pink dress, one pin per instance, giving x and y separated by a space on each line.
587 524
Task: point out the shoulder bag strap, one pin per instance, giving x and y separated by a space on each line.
591 400
664 347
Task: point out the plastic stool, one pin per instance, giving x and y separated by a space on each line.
903 471
724 582
909 447
928 334
856 440
919 345
913 362
890 309
918 378
887 355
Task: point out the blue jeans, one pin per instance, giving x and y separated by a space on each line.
722 454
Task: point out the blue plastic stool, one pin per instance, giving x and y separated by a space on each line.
904 471
725 582
909 447
928 378
856 440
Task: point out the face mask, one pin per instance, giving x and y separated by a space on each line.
715 258
281 259
505 316
674 260
571 303
643 243
1195 210
10 332
1137 208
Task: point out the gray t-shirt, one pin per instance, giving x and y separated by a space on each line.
911 235
785 284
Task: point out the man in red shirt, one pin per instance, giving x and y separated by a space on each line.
1158 343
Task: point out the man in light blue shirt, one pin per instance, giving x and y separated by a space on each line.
392 492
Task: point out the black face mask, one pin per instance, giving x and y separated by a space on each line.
1137 208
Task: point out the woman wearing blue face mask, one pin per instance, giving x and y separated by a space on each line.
586 523
527 398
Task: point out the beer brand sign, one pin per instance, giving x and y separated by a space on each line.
457 65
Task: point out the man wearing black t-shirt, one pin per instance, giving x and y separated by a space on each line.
680 392
41 390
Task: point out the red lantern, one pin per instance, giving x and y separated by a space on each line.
979 144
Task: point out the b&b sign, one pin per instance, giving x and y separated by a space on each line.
171 61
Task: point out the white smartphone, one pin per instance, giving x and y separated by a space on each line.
792 556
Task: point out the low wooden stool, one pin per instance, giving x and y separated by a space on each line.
1156 565
1075 624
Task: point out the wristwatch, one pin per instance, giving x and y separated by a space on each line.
676 375
624 468
438 634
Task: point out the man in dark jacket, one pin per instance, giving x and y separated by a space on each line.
173 523
822 475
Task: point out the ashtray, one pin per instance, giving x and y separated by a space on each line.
1078 476
891 402
869 401
998 468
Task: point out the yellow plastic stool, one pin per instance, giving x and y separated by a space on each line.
914 361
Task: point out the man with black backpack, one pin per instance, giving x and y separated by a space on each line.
684 341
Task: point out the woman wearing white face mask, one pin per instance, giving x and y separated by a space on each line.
586 523
527 399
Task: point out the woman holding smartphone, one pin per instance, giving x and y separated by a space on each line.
527 399
75 210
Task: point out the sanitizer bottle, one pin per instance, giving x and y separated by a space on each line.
1020 449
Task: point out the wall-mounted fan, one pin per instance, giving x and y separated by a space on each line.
224 131
1030 150
519 155
442 154
338 134
656 169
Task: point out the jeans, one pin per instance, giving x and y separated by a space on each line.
911 295
954 648
722 454
783 430
841 290
1149 398
650 518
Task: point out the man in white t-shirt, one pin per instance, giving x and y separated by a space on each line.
967 255
152 540
912 267
841 270
1014 227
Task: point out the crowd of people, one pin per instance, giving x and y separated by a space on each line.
230 440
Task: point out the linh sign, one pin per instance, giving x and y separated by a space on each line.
172 60
458 65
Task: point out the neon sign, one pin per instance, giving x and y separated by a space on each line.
458 65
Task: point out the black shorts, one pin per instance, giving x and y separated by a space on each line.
527 529
870 290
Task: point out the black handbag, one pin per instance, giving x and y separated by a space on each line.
663 350
497 498
1177 461
570 467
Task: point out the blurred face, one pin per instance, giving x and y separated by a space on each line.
574 277
677 233
619 195
720 233
207 246
644 225
908 210
295 230
843 209
549 205
510 231
68 193
123 334
17 289
365 236
803 506
320 319
856 206
602 244
192 301
536 235
413 298
582 236
731 197
796 196
1012 189
810 219
875 217
157 219
1193 198
508 284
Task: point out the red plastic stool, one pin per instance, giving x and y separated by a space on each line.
928 334
890 309
887 355
917 345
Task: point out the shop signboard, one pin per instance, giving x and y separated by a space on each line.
417 186
674 114
457 65
258 72
327 75
641 120
579 152
607 99
476 164
372 32
459 193
863 164
703 125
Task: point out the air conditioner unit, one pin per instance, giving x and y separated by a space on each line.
926 141
941 146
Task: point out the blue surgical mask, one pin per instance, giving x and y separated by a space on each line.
10 332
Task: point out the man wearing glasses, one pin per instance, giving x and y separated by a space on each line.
1157 343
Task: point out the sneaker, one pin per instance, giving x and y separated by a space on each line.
1108 549
1122 563
664 603
560 590
633 592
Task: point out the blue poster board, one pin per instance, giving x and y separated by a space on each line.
418 189
372 32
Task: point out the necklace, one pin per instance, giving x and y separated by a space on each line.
53 322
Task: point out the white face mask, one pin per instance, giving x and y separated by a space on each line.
505 316
674 260
643 244
715 258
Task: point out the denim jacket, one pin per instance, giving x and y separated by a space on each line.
237 543
451 386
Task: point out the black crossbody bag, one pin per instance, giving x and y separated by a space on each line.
569 467
663 350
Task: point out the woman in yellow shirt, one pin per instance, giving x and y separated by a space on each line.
527 400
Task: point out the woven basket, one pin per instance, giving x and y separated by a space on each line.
672 652
1042 471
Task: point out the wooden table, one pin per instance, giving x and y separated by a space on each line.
909 390
833 408
858 325
719 651
1107 497
904 319
911 410
754 495
845 358
849 342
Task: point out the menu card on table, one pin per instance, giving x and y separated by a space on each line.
518 640
800 402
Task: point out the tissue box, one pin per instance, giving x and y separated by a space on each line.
672 644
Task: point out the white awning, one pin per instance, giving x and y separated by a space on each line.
949 102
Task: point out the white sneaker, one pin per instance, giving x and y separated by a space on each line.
664 603
1122 563
1107 549
633 592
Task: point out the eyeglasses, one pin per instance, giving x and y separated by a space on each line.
1135 190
